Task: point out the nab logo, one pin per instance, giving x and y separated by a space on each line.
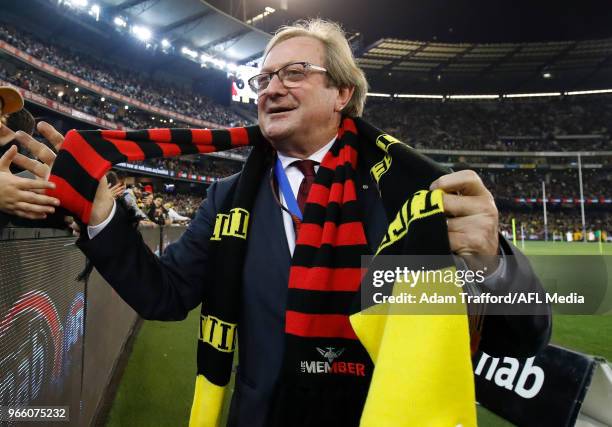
233 224
505 375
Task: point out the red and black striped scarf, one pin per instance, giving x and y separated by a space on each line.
326 371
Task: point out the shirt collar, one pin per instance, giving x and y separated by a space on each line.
286 161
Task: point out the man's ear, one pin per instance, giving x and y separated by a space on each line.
344 96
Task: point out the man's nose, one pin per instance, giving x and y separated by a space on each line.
275 87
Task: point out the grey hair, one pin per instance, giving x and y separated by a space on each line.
341 66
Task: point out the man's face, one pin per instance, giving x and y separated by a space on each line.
158 201
310 105
148 200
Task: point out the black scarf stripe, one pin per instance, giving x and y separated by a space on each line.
184 135
342 174
329 256
221 140
104 147
335 212
349 139
78 177
320 302
150 150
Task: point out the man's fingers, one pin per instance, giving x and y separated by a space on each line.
7 158
457 206
466 182
39 169
39 150
51 134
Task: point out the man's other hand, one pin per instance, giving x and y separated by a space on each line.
473 217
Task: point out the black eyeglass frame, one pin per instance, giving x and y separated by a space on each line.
307 67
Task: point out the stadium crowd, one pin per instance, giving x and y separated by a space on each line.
202 165
512 183
154 209
507 125
120 80
562 225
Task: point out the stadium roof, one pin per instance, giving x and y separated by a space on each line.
194 23
397 66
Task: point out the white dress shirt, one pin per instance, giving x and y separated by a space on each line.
295 176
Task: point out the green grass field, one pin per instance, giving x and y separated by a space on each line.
157 386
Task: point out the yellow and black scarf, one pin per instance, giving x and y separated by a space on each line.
372 369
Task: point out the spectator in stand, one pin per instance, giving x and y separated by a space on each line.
157 213
174 216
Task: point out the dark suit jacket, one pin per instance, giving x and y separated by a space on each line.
169 287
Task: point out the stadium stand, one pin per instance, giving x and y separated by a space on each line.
125 82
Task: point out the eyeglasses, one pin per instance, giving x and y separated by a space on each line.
290 75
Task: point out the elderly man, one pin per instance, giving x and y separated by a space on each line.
309 82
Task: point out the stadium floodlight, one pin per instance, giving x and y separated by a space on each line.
165 43
418 96
204 58
120 22
171 120
531 95
546 75
126 107
381 95
77 3
76 89
473 96
588 92
103 99
141 33
191 53
267 11
95 11
60 93
219 63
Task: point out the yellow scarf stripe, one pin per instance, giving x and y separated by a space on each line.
423 370
207 403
